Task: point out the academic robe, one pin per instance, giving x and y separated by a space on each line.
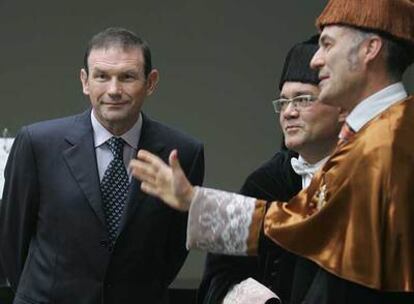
274 180
354 220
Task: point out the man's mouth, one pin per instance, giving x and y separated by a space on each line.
292 127
323 77
115 103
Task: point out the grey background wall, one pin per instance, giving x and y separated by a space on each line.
219 63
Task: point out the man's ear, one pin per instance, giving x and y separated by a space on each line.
373 47
152 81
84 81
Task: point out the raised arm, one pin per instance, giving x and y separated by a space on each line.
219 221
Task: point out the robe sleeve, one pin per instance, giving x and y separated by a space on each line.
224 222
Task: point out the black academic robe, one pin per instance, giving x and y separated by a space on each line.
274 180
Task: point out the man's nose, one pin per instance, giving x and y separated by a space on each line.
290 111
317 60
115 87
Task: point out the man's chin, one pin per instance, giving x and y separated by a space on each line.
116 114
294 143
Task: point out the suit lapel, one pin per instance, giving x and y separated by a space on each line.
149 140
81 159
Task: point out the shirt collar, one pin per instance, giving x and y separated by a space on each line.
101 135
315 165
375 104
302 167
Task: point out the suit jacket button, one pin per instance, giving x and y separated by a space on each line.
110 248
103 243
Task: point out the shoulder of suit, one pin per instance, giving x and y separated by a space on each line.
58 127
169 133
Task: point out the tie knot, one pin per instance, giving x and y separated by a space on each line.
116 145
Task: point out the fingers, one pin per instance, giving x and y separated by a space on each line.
149 189
146 163
143 171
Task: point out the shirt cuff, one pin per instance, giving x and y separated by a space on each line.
249 291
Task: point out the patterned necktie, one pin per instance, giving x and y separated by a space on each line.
114 187
345 134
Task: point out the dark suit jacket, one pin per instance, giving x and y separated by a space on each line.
53 239
3 282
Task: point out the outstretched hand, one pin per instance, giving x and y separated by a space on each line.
167 182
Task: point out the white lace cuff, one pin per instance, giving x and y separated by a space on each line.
249 291
219 221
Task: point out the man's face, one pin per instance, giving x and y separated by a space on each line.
338 62
116 86
309 128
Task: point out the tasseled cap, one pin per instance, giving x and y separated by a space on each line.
392 17
297 63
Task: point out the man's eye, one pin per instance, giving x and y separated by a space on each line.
301 99
326 45
128 77
304 98
284 103
100 76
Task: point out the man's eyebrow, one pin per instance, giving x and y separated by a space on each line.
324 38
98 70
299 93
128 71
131 71
296 94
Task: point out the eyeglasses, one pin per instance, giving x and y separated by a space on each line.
298 102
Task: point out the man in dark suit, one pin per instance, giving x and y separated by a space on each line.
74 224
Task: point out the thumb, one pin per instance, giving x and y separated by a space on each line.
182 187
174 162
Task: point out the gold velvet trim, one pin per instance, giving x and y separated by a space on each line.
395 17
256 227
363 229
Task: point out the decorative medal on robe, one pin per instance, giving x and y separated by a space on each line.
321 196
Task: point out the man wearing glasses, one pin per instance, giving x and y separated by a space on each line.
311 129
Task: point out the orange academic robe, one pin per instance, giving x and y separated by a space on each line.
356 219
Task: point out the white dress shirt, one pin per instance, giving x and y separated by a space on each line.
305 169
375 105
104 155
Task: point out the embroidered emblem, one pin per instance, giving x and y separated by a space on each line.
321 196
